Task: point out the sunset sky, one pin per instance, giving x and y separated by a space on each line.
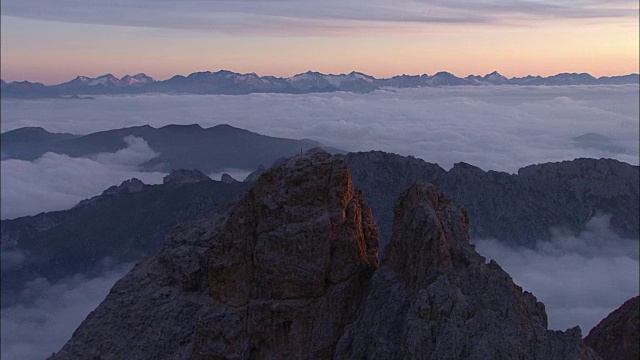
53 41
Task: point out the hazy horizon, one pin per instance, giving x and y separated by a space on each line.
282 38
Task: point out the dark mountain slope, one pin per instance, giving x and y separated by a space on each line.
123 224
514 208
30 142
179 146
618 335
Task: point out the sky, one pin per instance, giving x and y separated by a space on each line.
54 41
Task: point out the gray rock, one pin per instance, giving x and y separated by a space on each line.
618 335
434 297
276 275
518 209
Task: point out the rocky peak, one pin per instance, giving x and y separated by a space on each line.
184 176
227 179
422 212
278 274
128 186
618 335
433 294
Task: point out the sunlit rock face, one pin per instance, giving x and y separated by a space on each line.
290 271
277 274
618 335
434 297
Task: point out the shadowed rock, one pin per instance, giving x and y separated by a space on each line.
618 335
276 275
289 272
434 297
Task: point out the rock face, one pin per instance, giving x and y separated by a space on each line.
517 209
618 335
289 272
276 275
434 297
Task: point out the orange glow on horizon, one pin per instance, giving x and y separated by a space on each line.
599 49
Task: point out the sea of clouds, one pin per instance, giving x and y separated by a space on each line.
580 277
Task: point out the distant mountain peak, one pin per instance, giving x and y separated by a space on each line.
232 83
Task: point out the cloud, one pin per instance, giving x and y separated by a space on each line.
11 259
495 128
287 16
57 182
47 314
580 278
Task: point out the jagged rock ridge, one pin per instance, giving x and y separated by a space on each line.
283 272
518 209
434 297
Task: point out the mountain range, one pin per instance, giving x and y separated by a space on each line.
209 150
129 221
231 83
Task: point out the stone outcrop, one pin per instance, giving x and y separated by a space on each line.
618 335
276 275
289 272
434 297
184 176
128 186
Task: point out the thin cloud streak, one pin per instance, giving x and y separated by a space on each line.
288 16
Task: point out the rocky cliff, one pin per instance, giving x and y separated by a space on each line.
289 272
434 297
518 209
618 335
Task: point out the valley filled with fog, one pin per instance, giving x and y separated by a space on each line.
580 277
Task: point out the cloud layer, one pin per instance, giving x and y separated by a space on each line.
495 128
48 313
332 15
57 182
580 278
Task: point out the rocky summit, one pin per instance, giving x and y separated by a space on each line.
434 297
290 271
